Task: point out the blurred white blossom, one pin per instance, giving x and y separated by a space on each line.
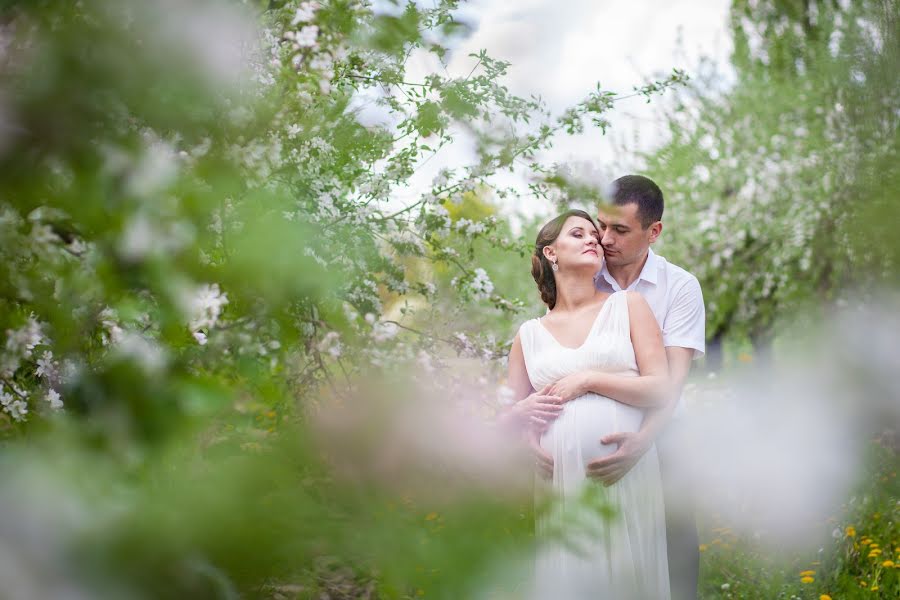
206 307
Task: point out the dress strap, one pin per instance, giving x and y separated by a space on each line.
617 319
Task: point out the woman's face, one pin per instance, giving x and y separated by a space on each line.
578 245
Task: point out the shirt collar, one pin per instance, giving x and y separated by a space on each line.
648 273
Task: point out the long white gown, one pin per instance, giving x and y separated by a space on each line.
586 551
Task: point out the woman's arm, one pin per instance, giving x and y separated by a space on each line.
529 408
650 389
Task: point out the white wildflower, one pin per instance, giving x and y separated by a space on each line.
200 337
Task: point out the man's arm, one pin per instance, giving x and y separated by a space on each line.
633 445
684 337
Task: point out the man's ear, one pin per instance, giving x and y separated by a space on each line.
655 231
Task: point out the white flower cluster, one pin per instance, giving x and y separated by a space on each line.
467 227
481 286
331 344
143 236
14 404
19 345
147 353
205 309
381 331
112 331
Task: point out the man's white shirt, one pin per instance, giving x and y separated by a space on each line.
675 298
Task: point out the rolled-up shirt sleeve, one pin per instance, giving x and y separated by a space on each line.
685 321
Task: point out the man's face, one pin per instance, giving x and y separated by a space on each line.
623 238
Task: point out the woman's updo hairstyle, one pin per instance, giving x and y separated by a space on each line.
541 269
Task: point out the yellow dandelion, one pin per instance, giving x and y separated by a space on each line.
863 584
865 541
824 597
874 545
850 531
807 579
874 553
807 573
875 588
431 516
888 564
703 547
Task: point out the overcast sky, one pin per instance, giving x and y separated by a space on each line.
560 50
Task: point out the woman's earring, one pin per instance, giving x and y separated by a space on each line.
555 267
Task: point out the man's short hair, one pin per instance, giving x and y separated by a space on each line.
643 192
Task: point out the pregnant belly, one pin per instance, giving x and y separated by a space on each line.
576 434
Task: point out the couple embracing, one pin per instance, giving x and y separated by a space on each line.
598 382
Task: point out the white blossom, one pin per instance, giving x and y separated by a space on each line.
113 332
425 361
53 398
481 285
206 307
306 37
306 11
148 354
505 395
383 331
46 366
22 341
14 404
331 344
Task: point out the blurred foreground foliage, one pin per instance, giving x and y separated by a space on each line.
236 360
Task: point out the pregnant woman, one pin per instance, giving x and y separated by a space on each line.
587 550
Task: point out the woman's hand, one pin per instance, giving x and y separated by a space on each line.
538 409
570 386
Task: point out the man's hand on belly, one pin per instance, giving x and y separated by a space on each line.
612 467
570 386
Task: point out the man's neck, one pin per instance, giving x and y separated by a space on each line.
625 275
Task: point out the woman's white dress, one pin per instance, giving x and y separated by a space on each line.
586 551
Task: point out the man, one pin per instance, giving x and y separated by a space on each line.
628 228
